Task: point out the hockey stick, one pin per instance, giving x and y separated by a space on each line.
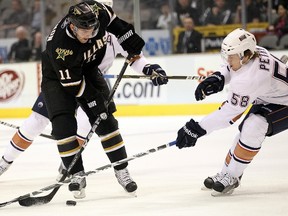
17 127
141 154
29 201
284 59
102 168
150 77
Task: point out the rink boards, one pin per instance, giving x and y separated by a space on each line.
20 86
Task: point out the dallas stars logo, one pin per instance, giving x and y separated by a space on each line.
76 11
96 9
62 53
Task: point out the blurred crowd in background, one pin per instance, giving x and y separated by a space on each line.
190 23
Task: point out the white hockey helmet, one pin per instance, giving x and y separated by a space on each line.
237 42
106 2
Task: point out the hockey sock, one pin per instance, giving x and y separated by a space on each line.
68 148
113 146
18 144
230 154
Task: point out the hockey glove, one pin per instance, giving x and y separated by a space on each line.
98 106
210 85
157 73
188 135
131 41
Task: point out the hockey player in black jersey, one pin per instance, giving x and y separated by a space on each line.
75 48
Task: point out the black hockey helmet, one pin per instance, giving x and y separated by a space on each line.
83 16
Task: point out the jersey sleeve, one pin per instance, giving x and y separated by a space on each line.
225 71
139 64
117 26
222 118
240 96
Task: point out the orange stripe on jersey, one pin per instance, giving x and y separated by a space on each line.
20 141
237 117
233 120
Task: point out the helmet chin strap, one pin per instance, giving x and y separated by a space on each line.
242 58
74 29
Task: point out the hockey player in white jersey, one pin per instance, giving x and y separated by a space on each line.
38 120
255 77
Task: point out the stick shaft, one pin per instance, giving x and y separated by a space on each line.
17 127
150 77
99 169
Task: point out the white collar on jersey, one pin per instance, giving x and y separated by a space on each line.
69 33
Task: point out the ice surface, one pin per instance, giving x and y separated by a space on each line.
169 180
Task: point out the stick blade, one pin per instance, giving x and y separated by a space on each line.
32 201
4 204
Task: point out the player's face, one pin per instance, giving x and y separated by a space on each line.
234 61
83 35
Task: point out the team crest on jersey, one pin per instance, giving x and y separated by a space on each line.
62 53
96 9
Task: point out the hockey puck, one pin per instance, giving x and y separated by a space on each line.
71 203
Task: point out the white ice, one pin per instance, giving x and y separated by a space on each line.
169 181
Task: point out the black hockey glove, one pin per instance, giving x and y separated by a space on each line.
98 106
188 135
131 41
157 73
210 85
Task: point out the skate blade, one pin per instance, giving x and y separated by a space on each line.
219 194
79 194
203 188
132 194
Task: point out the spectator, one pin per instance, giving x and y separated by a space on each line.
20 50
50 12
253 14
219 14
167 18
280 25
147 15
184 9
263 8
18 16
189 41
36 17
36 47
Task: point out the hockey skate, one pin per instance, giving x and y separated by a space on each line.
209 182
78 185
226 185
4 165
125 180
62 170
